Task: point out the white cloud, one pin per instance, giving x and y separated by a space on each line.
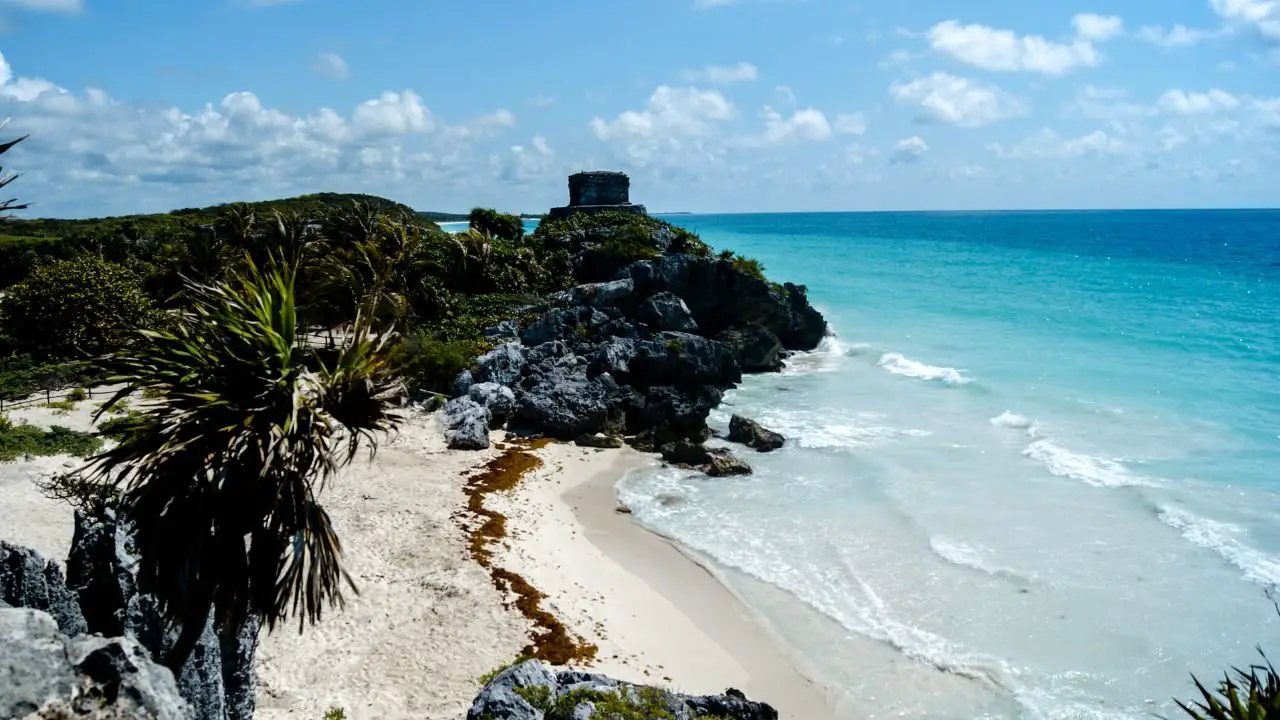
332 65
82 145
1106 103
1048 144
806 124
1181 102
1097 27
786 94
1176 36
1003 50
535 163
723 74
1262 16
957 100
670 111
851 124
58 6
908 150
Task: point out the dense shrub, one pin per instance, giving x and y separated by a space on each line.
1249 695
84 305
499 225
22 375
431 364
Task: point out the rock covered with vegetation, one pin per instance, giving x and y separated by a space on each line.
646 343
531 691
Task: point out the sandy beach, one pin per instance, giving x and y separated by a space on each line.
429 621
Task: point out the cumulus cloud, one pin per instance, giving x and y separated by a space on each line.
957 100
1097 27
850 124
670 111
806 124
1005 51
533 163
723 74
1176 36
332 65
1047 144
908 150
1261 16
82 144
1181 102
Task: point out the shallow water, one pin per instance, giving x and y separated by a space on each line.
1033 476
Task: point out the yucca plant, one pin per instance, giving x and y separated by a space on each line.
220 475
1251 695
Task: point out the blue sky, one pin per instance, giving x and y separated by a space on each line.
710 105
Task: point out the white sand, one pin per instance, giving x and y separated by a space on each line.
428 621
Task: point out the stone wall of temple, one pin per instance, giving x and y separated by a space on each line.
599 188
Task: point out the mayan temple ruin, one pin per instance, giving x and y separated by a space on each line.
598 191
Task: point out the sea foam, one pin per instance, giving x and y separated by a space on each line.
899 364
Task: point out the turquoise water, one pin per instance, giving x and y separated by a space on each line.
1034 473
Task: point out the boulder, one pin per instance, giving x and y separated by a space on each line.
505 331
686 452
47 674
100 571
724 463
564 403
682 411
239 680
27 580
503 365
750 433
666 311
598 441
499 400
614 356
466 424
514 692
754 347
462 383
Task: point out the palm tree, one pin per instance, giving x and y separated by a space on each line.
220 477
12 203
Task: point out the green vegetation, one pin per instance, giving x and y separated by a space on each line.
19 439
499 225
488 677
1253 694
335 713
750 266
80 306
119 427
638 703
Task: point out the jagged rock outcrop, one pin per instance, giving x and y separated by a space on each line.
27 580
46 674
217 681
530 691
645 355
598 441
755 436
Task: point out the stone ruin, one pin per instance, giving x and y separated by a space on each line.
598 191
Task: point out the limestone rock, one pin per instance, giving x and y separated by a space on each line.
100 572
564 403
27 580
725 463
666 311
598 441
508 695
754 346
753 435
47 674
499 400
466 424
503 365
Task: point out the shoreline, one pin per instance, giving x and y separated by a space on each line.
656 613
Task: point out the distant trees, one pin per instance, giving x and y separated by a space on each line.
499 225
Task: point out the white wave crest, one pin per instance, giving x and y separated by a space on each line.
899 364
1096 471
1012 421
828 428
1257 566
972 558
824 358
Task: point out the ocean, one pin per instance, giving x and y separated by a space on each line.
1033 474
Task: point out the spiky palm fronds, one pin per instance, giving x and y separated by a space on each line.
1251 695
221 475
11 203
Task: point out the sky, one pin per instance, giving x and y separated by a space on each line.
709 105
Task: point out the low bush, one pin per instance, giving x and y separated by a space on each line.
20 439
430 365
